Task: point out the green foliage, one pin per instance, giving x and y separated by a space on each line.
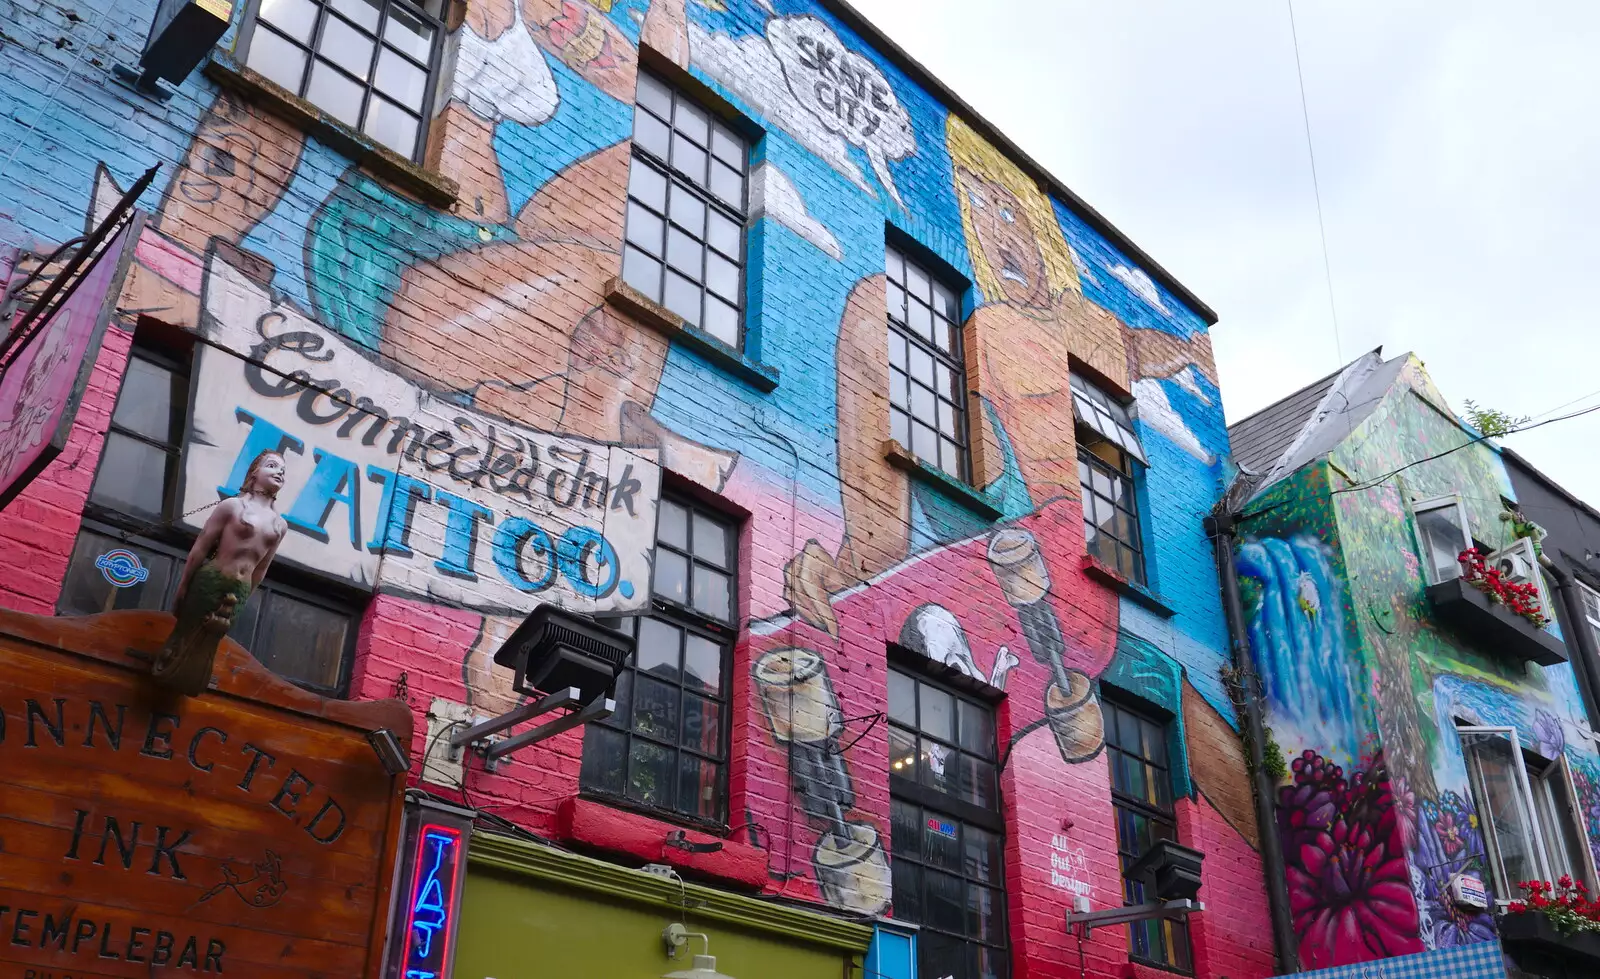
1490 422
1272 757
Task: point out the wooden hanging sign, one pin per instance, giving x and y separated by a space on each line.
248 831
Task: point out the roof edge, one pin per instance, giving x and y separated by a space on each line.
1331 375
1539 474
858 22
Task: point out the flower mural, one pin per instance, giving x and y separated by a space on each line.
1349 888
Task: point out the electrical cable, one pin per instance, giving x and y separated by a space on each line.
1316 189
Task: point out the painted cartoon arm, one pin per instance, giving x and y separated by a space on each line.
666 29
204 544
586 40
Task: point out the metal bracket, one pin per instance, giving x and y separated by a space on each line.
480 737
1087 921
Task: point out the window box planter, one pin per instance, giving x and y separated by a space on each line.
1532 940
1490 625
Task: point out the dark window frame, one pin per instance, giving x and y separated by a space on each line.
962 815
114 525
1120 467
638 260
162 535
691 623
906 340
252 23
1159 815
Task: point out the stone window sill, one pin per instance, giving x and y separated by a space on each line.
636 304
1136 592
429 187
901 458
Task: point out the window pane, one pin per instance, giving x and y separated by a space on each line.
655 708
335 94
1563 839
938 712
982 860
941 842
900 428
363 12
392 126
902 699
902 753
654 95
401 80
408 33
919 320
277 59
605 759
622 694
897 350
693 122
132 476
941 766
905 821
710 540
921 366
907 891
722 277
145 402
924 442
896 298
672 577
682 296
642 272
894 264
1443 540
712 593
978 782
698 781
672 526
702 663
683 253
922 404
645 229
722 321
302 642
346 47
688 212
917 282
657 651
728 184
1492 765
87 588
899 392
702 725
296 18
945 903
985 918
689 159
727 147
650 774
723 234
651 134
647 184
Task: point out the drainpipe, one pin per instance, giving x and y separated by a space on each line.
1580 640
1221 529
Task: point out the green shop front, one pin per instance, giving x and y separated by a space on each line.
531 911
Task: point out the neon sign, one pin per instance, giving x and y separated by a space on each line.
431 902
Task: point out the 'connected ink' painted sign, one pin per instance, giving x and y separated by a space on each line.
391 484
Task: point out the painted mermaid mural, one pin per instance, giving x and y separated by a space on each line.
497 304
1365 691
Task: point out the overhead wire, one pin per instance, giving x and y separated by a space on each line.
1316 187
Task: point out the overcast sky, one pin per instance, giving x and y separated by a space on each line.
1458 146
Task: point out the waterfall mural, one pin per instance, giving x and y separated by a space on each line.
1298 634
1365 689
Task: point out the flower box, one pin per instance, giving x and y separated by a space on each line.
1491 626
1530 937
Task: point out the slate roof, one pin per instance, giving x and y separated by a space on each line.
1258 441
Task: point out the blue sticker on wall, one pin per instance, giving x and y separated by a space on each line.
122 568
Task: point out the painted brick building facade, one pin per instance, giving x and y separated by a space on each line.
724 323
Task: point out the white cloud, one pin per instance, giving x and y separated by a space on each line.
1141 284
773 195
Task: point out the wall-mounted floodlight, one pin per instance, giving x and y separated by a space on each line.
183 33
568 662
1174 868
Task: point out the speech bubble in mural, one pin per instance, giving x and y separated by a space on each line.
844 90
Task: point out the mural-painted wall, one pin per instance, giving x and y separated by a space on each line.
497 432
1364 688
